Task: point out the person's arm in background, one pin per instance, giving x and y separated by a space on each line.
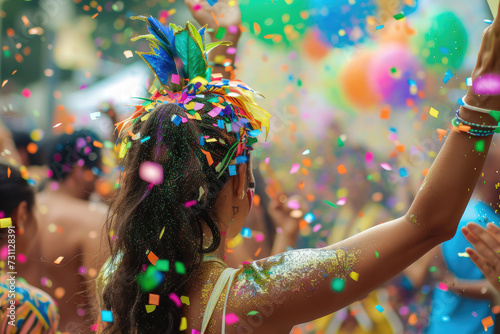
6 143
469 288
287 227
418 272
225 14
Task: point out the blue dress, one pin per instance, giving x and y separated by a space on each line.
457 314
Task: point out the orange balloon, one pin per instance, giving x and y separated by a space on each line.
355 83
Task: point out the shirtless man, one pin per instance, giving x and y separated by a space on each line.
70 227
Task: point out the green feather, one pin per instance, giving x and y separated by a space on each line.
190 50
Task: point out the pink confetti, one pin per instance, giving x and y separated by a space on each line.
231 51
21 258
293 204
368 157
83 86
175 79
196 7
175 299
214 112
190 203
231 318
317 227
198 106
151 172
341 201
94 327
26 93
259 237
488 84
443 286
233 29
266 160
194 331
385 166
163 15
295 168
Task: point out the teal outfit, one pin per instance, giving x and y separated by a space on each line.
452 313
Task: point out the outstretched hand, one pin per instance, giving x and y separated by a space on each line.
488 61
280 214
485 254
225 13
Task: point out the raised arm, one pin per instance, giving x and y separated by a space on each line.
298 284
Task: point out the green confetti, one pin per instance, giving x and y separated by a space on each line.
330 203
338 284
253 313
393 70
150 279
163 265
299 83
399 16
376 254
433 269
220 33
150 308
179 268
495 114
479 146
340 142
369 177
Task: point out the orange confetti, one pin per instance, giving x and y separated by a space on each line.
400 148
25 20
487 322
209 157
302 224
154 299
59 259
306 162
242 28
32 148
495 309
4 82
97 144
256 28
425 171
152 258
215 19
10 32
441 133
341 169
385 113
256 200
301 185
310 197
8 172
412 320
258 252
95 15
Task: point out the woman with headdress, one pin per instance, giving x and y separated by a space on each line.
187 187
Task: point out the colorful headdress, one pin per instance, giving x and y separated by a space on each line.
178 59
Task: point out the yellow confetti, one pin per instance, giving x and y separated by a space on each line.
59 259
184 324
5 222
185 300
354 275
434 113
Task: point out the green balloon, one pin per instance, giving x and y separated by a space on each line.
446 42
279 22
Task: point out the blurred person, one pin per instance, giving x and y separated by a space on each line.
273 229
23 308
70 226
8 148
183 208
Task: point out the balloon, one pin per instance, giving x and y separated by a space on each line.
355 82
394 74
314 47
342 23
274 21
445 43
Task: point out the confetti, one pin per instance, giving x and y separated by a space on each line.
338 284
487 322
106 316
176 79
434 113
488 84
58 124
154 299
295 168
128 54
385 166
185 300
95 115
163 265
385 113
443 286
354 275
152 258
59 259
306 152
150 308
179 268
341 169
189 204
253 313
4 82
246 232
376 254
151 172
447 76
379 308
5 222
231 318
330 203
26 93
380 27
197 7
464 254
175 299
479 146
220 33
183 326
399 16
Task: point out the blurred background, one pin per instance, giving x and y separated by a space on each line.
358 90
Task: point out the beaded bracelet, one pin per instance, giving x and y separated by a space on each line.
493 127
473 131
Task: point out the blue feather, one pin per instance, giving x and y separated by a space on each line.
162 65
163 34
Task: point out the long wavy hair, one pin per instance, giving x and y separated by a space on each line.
148 218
